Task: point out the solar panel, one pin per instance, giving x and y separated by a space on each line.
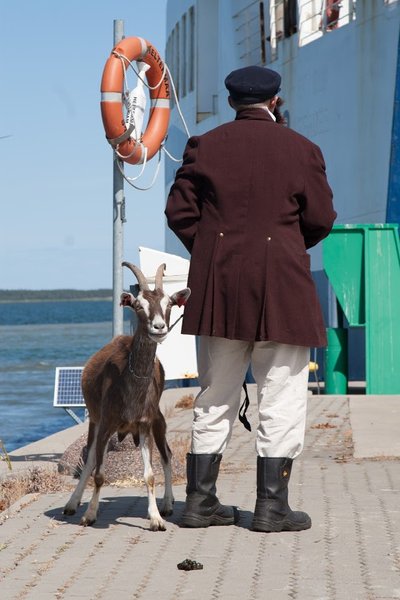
67 387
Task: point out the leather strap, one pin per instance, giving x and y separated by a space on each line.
243 409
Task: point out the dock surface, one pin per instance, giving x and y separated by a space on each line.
347 479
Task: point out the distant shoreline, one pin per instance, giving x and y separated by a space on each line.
23 296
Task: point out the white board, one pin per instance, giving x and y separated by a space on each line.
178 352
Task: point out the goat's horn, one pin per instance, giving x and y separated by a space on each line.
159 276
138 274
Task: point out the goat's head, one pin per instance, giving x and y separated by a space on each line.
153 307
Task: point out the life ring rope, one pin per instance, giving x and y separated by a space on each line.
125 58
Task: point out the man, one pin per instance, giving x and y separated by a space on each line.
250 197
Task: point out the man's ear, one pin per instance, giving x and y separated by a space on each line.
180 298
272 103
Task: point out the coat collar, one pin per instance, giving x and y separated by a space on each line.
258 114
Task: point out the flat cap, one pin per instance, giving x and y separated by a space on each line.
250 85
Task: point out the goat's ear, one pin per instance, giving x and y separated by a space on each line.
127 299
180 298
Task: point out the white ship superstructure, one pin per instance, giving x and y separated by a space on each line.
340 67
338 62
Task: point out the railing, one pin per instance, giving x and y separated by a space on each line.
310 19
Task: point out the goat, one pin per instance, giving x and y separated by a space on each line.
122 384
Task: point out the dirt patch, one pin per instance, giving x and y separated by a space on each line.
123 464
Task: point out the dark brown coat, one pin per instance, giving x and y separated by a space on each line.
249 199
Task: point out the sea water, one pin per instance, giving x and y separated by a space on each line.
35 338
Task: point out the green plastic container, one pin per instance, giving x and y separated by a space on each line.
362 263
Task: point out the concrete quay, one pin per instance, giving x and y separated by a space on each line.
347 479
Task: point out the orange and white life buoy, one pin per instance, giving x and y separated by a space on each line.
112 86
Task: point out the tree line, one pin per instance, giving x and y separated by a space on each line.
41 295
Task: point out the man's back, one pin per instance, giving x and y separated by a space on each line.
250 197
256 175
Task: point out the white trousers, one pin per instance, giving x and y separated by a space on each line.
281 375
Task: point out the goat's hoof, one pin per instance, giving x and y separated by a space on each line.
69 511
157 526
86 521
166 512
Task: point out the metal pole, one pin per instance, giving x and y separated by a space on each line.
118 221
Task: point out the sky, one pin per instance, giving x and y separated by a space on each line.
56 177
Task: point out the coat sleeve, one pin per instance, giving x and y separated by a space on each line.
317 214
183 209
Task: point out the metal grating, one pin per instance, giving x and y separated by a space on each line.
67 387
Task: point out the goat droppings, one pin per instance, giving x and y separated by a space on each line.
189 565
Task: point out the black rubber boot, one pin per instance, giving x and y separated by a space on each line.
202 505
272 512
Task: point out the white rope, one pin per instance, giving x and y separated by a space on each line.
177 102
142 169
122 57
123 156
125 60
178 160
130 180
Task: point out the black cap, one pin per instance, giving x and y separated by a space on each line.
250 85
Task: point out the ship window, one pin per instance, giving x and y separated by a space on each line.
262 34
191 50
289 17
316 17
168 59
207 53
250 34
172 58
184 65
175 60
285 17
180 55
283 22
310 18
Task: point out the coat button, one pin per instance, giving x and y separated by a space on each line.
221 235
268 238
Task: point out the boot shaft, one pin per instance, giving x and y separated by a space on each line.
273 476
202 472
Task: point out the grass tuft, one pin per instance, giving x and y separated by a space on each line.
35 480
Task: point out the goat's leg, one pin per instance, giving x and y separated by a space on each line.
101 448
159 433
156 522
75 500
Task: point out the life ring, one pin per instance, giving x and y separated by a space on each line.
112 85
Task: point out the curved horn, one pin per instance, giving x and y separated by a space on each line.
159 276
138 274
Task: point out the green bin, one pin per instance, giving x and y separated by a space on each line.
362 263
